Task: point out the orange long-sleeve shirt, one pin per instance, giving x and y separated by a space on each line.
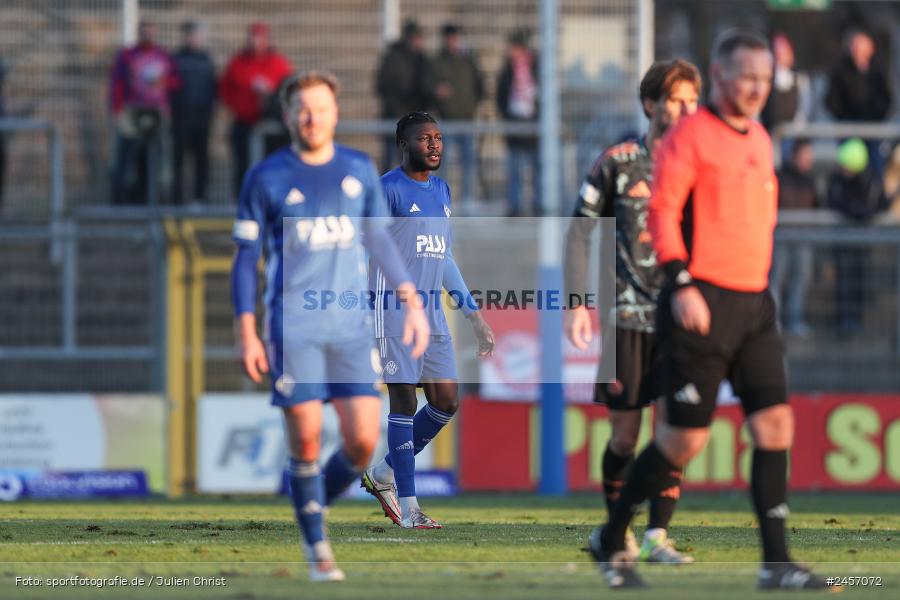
729 177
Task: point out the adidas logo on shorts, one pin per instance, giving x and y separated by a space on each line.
688 394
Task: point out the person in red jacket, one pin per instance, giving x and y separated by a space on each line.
250 80
712 216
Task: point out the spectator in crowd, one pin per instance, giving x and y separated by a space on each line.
455 85
855 191
789 101
517 101
247 86
792 264
192 110
892 183
141 81
859 91
399 84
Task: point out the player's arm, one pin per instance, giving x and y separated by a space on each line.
593 198
381 247
674 176
456 286
249 229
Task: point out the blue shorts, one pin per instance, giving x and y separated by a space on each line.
313 370
438 362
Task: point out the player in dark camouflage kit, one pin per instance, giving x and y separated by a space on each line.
618 186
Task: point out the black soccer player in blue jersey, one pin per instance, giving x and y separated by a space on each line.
313 205
420 205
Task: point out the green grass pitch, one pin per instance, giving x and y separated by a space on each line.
496 546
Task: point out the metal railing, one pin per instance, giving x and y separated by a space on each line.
65 236
832 131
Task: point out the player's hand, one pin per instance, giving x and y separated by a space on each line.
252 352
578 327
416 330
253 358
690 310
483 333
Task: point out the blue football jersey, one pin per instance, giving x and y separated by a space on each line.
310 220
421 230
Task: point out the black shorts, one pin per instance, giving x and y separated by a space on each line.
743 345
633 387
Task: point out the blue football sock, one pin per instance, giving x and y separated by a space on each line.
308 498
339 473
401 454
427 423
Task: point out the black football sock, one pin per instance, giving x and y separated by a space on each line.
768 482
614 469
662 504
646 478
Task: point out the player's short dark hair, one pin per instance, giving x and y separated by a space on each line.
413 118
662 77
295 83
732 40
450 29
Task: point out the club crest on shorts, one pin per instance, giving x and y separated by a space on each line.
391 368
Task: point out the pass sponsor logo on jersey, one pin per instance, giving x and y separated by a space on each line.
352 186
433 246
325 233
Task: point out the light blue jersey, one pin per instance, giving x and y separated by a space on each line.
421 230
310 219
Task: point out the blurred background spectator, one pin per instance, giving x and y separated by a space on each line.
892 183
858 90
790 100
792 263
247 87
192 110
141 81
517 100
456 88
399 83
855 191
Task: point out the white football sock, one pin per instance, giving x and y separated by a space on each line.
408 505
383 472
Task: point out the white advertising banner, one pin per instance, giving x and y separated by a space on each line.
241 443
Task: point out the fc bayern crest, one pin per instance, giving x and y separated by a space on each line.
391 368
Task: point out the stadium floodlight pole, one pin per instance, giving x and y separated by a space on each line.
645 47
553 459
130 16
390 21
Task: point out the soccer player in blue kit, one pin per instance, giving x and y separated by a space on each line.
420 205
313 205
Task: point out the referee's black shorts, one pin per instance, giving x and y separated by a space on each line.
743 345
634 386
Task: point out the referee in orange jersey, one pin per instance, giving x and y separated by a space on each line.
712 217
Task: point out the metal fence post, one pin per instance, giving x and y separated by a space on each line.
69 279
